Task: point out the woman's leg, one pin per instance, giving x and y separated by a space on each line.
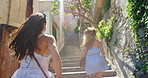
98 74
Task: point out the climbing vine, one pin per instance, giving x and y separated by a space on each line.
138 14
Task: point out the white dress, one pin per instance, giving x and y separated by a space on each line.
95 62
30 69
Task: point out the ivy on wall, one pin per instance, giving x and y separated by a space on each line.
107 5
138 15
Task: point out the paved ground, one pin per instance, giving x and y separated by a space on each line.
72 46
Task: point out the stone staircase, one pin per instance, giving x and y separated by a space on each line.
71 55
71 69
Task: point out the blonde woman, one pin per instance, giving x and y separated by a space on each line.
93 50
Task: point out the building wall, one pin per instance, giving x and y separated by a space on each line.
12 12
17 12
49 22
44 7
35 6
4 11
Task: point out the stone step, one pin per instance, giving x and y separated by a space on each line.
72 69
89 77
82 74
70 60
76 68
72 57
75 64
111 77
72 64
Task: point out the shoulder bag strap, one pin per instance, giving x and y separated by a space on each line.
40 67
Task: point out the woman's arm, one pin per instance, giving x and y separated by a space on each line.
101 48
84 51
55 57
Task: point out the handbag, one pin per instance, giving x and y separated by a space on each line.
82 61
40 67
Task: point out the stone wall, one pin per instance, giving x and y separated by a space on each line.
122 46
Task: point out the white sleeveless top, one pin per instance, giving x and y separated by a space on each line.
30 69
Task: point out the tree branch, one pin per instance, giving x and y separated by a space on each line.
86 10
80 11
92 22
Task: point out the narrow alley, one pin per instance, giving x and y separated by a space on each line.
119 26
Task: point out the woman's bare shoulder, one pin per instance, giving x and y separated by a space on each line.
49 38
97 41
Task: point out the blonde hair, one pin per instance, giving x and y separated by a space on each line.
89 37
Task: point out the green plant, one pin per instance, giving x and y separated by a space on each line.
55 5
77 29
106 28
126 49
107 5
138 14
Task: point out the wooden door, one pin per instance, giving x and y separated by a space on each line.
7 63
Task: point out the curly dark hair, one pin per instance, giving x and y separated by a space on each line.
25 41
